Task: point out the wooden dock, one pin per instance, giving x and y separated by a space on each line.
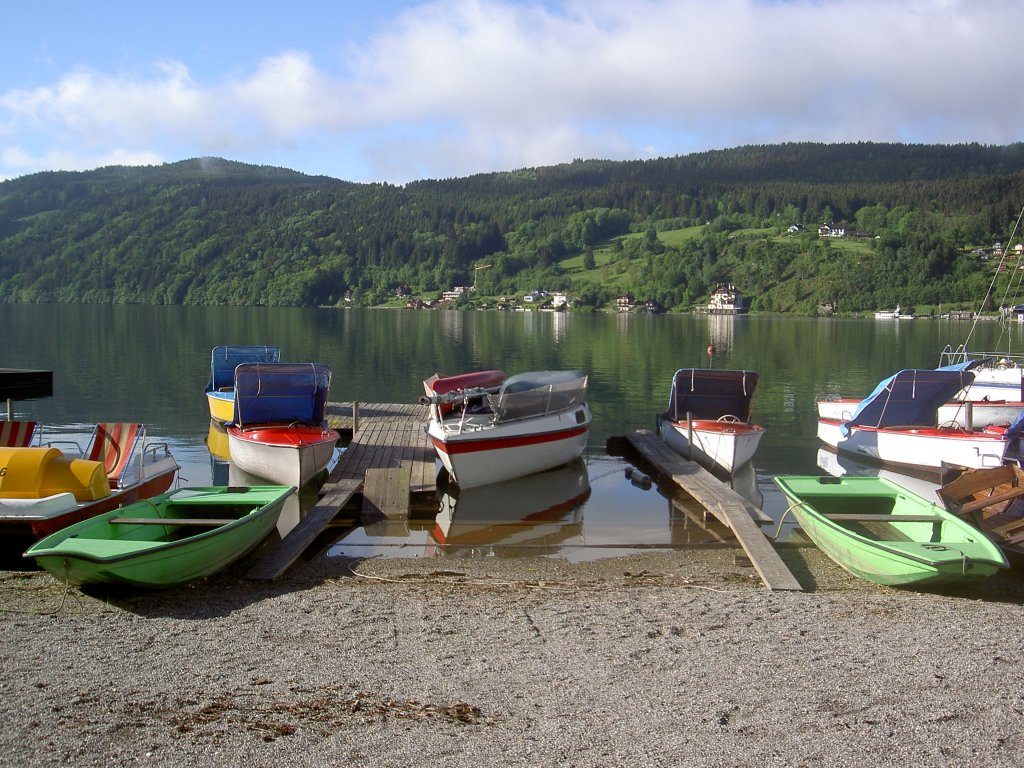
723 502
385 436
390 458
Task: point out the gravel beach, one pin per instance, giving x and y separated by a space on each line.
661 659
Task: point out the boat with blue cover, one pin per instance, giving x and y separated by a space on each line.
279 429
220 389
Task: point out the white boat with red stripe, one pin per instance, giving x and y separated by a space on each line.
708 417
966 414
487 428
897 425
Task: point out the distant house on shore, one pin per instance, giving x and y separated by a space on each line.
832 230
840 230
725 300
455 292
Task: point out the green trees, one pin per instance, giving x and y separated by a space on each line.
215 232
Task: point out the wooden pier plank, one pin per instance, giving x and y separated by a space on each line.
386 493
390 439
278 560
721 501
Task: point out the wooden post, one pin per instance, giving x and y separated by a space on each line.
689 435
355 416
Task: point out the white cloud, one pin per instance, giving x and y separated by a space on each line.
457 86
17 161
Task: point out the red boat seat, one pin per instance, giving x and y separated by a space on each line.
441 385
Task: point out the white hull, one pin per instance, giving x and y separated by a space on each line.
995 384
282 464
922 448
726 448
476 451
983 413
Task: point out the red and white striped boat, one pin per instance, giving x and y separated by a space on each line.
487 428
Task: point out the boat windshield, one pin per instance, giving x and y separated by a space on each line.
538 394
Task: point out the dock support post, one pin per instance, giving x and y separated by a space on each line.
355 416
689 435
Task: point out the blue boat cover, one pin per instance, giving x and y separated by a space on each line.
224 360
275 393
910 397
707 393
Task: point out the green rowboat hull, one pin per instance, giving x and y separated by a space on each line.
881 532
142 545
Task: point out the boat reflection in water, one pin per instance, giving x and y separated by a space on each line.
540 511
744 482
843 466
296 506
217 441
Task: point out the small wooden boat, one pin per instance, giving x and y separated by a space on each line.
170 539
993 500
44 489
897 425
220 389
487 429
708 417
880 532
280 430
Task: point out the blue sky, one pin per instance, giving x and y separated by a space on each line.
398 90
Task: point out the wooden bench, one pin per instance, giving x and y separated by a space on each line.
972 481
209 522
988 501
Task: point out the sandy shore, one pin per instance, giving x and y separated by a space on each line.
663 659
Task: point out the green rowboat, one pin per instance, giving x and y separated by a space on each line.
881 532
165 540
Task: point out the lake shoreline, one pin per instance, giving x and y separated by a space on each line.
660 658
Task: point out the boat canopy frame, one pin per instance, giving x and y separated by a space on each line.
224 359
910 397
538 393
281 393
710 393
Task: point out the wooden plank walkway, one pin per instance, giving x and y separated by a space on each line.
722 501
388 436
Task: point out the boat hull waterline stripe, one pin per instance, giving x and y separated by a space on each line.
498 443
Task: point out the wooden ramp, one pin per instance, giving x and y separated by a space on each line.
389 437
722 501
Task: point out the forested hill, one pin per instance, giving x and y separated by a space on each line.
211 231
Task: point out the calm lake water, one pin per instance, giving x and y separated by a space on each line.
150 364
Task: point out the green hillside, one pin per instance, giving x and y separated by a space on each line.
211 231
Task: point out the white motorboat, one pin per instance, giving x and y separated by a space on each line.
487 429
708 417
956 413
280 431
897 425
